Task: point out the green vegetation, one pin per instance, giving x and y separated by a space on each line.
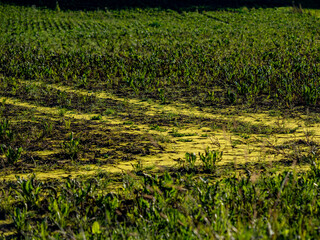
155 123
166 205
252 56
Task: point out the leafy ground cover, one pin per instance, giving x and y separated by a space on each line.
149 122
164 205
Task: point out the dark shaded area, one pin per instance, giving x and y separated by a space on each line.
165 4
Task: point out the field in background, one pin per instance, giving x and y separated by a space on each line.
177 5
202 121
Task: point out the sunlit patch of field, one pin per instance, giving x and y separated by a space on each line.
245 138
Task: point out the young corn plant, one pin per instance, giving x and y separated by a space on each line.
12 154
4 127
190 161
72 147
42 229
29 191
162 96
315 164
20 220
310 94
209 159
5 131
59 212
47 128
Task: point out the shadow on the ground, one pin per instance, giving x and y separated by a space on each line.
184 5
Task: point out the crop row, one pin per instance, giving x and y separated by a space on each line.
256 56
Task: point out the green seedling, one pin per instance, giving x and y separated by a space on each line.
5 131
210 158
4 127
47 128
190 161
311 94
314 163
162 96
231 96
30 191
12 154
42 229
20 220
72 147
60 210
67 123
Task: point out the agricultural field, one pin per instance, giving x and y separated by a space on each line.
155 123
